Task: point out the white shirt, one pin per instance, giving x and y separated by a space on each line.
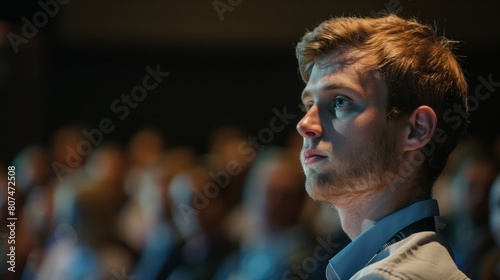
422 255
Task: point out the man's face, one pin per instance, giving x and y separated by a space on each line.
349 147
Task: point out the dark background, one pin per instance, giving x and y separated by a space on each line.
230 71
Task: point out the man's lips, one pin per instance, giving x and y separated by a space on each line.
312 156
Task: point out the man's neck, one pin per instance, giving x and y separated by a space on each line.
359 214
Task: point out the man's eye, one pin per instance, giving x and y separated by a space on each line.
341 103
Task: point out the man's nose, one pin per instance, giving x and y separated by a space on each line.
310 125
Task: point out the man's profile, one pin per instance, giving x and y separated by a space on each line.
377 134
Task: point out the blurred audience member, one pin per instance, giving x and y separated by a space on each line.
474 172
142 210
200 205
32 173
144 148
490 269
229 149
32 167
11 195
98 207
273 237
69 150
164 240
68 257
50 202
87 246
444 190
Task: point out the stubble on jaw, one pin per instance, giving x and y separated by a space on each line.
368 171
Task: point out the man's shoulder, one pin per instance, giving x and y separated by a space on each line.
423 255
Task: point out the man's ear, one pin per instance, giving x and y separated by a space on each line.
419 128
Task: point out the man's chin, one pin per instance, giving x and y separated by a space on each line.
328 189
314 171
316 190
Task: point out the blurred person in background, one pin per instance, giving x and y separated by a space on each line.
69 151
490 267
99 205
141 213
32 169
271 234
88 246
443 188
164 240
471 180
228 145
15 193
144 149
199 208
50 202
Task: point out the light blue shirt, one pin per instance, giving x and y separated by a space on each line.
363 249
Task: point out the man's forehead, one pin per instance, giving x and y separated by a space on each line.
334 61
350 68
330 63
328 66
339 56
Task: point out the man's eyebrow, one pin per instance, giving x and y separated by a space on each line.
333 86
306 93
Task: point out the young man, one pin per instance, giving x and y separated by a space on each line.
385 103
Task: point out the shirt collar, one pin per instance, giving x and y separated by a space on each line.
361 250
